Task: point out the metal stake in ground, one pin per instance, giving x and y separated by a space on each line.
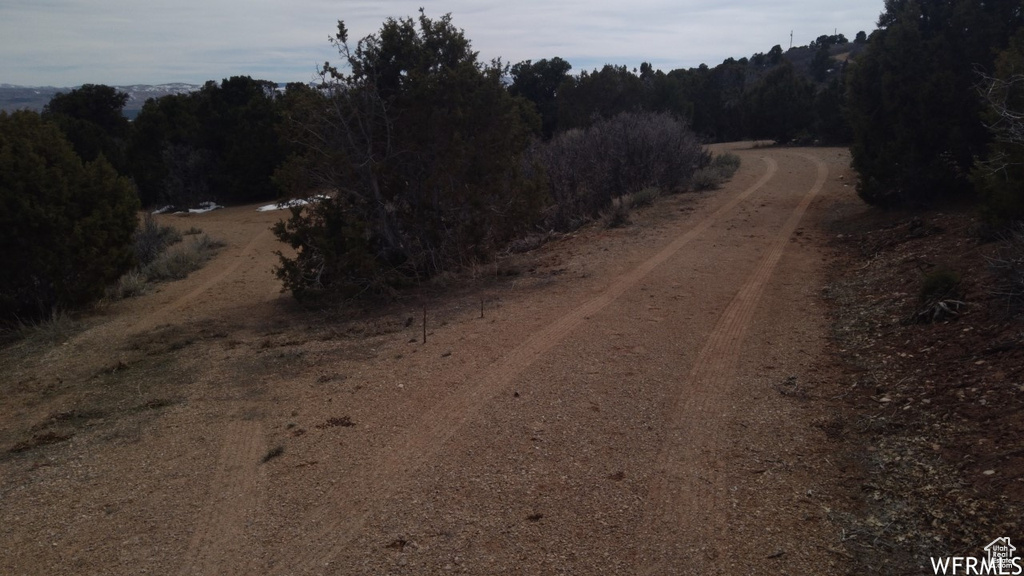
424 324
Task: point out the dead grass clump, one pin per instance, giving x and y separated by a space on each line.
529 242
162 256
180 261
343 421
720 169
1008 267
617 215
130 285
726 164
645 197
151 240
941 294
940 284
53 329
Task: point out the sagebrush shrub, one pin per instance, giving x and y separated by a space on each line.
179 261
587 169
617 215
727 164
152 239
130 285
645 197
706 179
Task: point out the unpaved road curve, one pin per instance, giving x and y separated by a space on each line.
625 414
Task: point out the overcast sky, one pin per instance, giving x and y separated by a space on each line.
119 42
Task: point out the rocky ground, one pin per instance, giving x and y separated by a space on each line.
927 329
745 380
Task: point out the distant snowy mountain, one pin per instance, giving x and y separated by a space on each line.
35 97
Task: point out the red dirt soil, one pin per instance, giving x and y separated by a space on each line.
633 401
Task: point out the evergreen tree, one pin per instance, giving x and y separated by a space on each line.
821 63
539 83
913 108
422 144
599 94
779 106
92 119
239 134
220 143
66 226
830 124
168 126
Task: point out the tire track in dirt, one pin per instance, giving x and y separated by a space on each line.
217 545
685 506
334 528
155 317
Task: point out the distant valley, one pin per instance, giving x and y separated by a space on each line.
14 97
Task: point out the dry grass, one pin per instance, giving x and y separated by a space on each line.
55 329
179 261
645 197
174 261
721 169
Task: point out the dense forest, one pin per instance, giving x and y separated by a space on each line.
433 159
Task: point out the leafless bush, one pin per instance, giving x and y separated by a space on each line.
151 239
1008 122
587 169
617 215
1008 266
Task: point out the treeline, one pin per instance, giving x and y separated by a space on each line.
433 160
430 162
783 96
220 143
935 104
225 141
73 178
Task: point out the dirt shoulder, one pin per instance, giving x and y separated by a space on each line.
930 409
637 400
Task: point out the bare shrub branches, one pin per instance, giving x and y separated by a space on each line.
1008 123
587 169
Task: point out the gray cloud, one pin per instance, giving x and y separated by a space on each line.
70 42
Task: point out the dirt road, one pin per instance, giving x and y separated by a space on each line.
631 402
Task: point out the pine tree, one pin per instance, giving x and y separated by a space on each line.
914 111
66 226
422 144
